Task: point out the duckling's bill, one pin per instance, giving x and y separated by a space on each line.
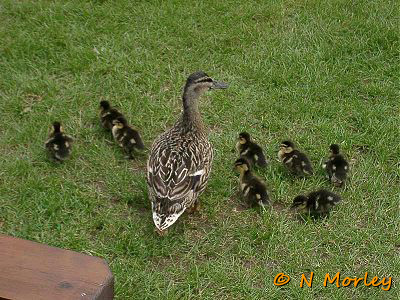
219 85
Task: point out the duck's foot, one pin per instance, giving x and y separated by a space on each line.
337 183
263 204
197 206
241 207
194 208
161 232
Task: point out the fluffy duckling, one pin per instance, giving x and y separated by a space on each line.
127 137
59 144
316 204
108 115
253 189
250 150
336 166
296 161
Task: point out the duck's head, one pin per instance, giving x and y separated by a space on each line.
57 127
242 165
198 83
120 122
244 137
334 149
299 202
104 105
287 146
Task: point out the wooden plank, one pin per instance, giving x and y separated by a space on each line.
30 270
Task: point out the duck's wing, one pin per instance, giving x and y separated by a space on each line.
138 139
49 142
68 140
303 164
260 156
176 174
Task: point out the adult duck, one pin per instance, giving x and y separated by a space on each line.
180 160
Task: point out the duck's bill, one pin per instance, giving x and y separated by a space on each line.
219 85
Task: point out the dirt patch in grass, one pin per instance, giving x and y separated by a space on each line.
279 207
139 164
99 186
29 101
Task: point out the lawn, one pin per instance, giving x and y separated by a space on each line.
316 72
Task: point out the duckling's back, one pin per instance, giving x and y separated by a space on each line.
322 201
60 146
108 116
339 171
260 192
301 163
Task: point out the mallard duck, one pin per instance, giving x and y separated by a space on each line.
108 115
336 166
296 161
316 204
250 150
59 144
253 189
127 137
180 158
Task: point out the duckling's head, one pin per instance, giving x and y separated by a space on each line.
57 127
287 146
334 148
242 165
244 137
198 83
120 122
104 105
299 202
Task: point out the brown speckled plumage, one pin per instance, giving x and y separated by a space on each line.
180 160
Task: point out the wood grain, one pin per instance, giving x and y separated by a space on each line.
29 270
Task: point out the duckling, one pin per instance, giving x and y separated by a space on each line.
108 115
127 137
252 187
336 166
316 204
296 161
250 150
179 163
59 144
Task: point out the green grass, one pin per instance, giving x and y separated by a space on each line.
316 72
